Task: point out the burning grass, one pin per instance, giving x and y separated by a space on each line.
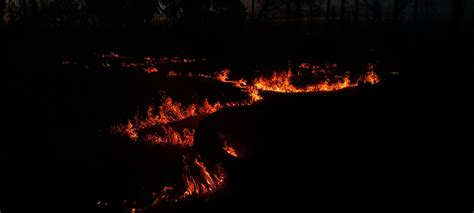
172 123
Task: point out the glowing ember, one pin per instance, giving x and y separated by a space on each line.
230 150
151 70
172 73
111 55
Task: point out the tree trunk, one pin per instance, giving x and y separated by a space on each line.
458 14
253 10
328 13
415 11
263 13
396 10
333 14
377 13
287 12
356 12
298 12
343 12
311 15
3 5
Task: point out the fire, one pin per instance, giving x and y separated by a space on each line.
199 177
223 75
172 137
281 82
151 69
305 65
372 78
204 183
230 150
169 112
254 95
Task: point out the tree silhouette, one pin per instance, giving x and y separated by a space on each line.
458 14
415 10
311 8
264 10
343 12
375 9
122 13
398 7
205 16
298 12
3 5
356 12
228 12
328 12
253 10
171 9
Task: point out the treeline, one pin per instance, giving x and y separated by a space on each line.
125 14
119 14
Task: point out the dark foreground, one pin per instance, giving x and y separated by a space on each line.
390 148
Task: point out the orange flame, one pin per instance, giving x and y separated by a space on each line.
200 178
151 69
230 150
223 75
281 82
204 183
372 78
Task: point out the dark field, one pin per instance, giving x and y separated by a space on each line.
397 146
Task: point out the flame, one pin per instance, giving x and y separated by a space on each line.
172 137
305 65
254 95
199 177
223 75
170 111
230 150
281 82
125 130
151 70
204 183
372 78
172 73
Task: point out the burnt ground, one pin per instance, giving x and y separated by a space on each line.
396 147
